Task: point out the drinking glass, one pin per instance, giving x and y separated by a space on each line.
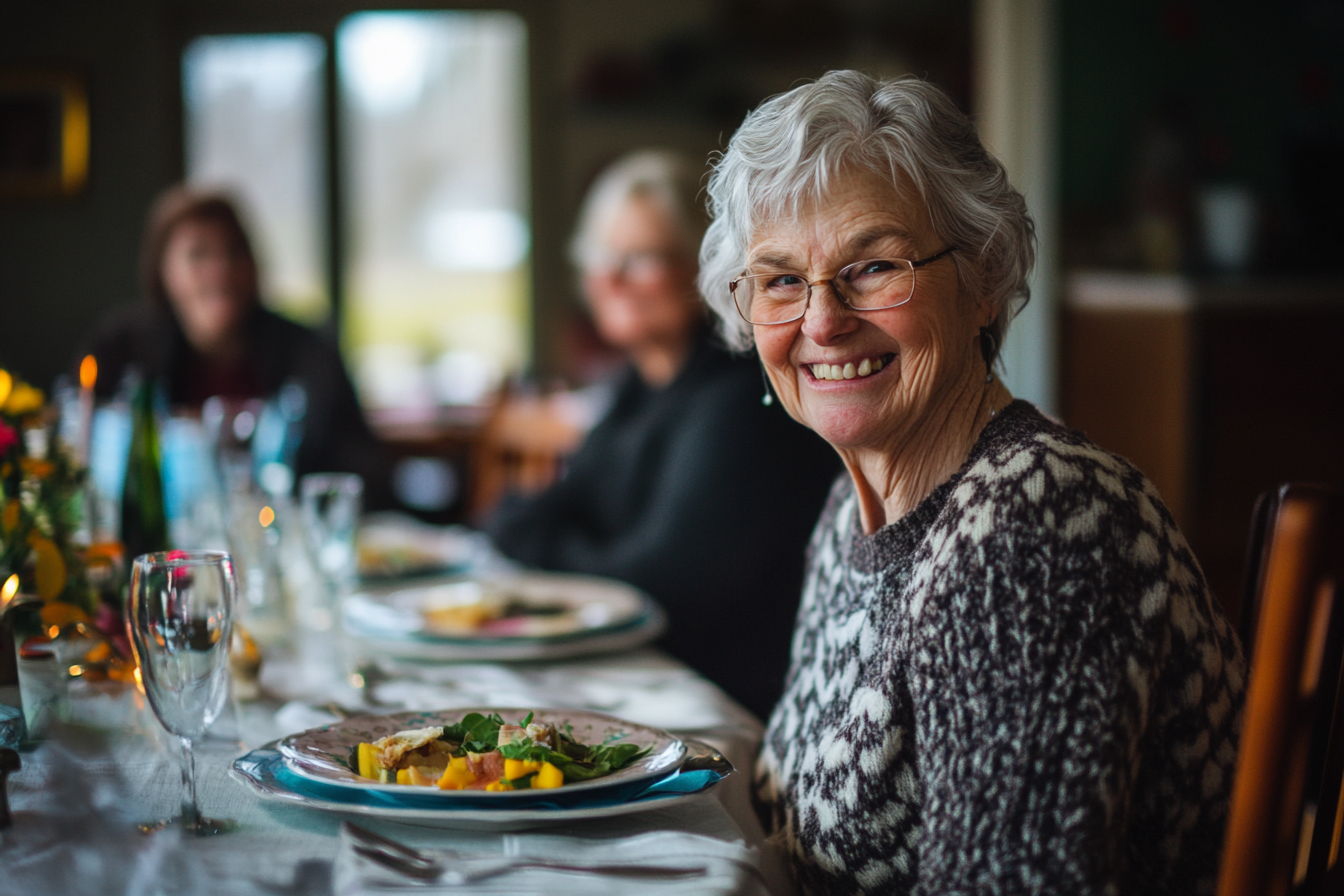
331 506
180 614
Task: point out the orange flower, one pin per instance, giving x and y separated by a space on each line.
61 615
37 467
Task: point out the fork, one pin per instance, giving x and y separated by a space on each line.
420 866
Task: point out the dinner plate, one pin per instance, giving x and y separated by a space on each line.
523 616
323 755
394 546
269 776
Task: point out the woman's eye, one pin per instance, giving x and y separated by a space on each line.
782 282
868 268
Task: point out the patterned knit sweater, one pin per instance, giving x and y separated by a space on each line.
1022 686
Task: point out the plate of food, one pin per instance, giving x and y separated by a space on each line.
392 547
270 776
486 757
510 616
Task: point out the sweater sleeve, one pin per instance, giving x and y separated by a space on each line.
1042 646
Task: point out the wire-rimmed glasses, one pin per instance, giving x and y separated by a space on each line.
180 616
873 284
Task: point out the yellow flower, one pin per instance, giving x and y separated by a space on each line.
50 567
23 399
6 383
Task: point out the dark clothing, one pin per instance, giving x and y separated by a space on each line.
704 498
335 436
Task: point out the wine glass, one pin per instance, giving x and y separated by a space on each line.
331 505
179 615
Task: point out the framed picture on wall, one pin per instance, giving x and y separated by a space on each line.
44 133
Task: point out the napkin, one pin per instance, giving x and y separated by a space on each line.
731 867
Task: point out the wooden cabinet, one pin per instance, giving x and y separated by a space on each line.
1217 389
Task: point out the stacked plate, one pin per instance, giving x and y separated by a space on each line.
526 616
313 768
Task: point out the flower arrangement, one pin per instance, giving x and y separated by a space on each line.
41 488
44 571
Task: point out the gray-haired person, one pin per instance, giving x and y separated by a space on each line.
681 488
1008 675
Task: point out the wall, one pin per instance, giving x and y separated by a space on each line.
62 263
609 76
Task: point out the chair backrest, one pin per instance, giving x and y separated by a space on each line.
521 447
1284 827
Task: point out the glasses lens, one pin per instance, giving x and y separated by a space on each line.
877 283
771 298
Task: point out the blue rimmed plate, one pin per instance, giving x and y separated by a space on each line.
267 774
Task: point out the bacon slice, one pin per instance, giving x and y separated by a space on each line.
487 767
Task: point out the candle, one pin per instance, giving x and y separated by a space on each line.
88 375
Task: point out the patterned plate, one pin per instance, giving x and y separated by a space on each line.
323 755
267 774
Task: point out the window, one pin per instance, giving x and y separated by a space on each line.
254 127
432 154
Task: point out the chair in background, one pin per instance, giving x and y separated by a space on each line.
1283 834
521 447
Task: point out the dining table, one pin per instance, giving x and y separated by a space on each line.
87 788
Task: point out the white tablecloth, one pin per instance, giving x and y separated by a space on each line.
75 803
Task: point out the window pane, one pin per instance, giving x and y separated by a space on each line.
254 127
433 110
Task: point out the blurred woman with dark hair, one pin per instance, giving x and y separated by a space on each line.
203 332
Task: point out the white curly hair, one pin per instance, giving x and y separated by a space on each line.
787 150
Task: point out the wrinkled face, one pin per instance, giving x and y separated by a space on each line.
866 380
642 290
210 280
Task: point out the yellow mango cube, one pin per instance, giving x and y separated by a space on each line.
456 776
497 786
548 777
404 776
516 768
368 766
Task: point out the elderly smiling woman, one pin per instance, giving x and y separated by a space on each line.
1007 672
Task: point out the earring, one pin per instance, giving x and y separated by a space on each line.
767 399
988 348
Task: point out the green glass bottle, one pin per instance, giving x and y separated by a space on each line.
144 522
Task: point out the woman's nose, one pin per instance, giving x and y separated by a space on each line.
827 319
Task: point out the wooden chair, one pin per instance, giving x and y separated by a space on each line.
521 447
1283 834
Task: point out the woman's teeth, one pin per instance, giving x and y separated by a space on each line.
848 371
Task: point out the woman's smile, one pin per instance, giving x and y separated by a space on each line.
842 370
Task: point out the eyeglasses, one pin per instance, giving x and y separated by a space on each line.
872 285
636 267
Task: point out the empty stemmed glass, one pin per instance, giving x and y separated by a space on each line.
331 504
179 615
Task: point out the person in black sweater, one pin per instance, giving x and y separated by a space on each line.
678 489
203 332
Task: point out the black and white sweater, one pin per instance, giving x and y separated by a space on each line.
1022 686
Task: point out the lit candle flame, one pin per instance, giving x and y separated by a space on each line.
88 371
6 384
10 589
76 671
266 517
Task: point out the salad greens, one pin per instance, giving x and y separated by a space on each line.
478 733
